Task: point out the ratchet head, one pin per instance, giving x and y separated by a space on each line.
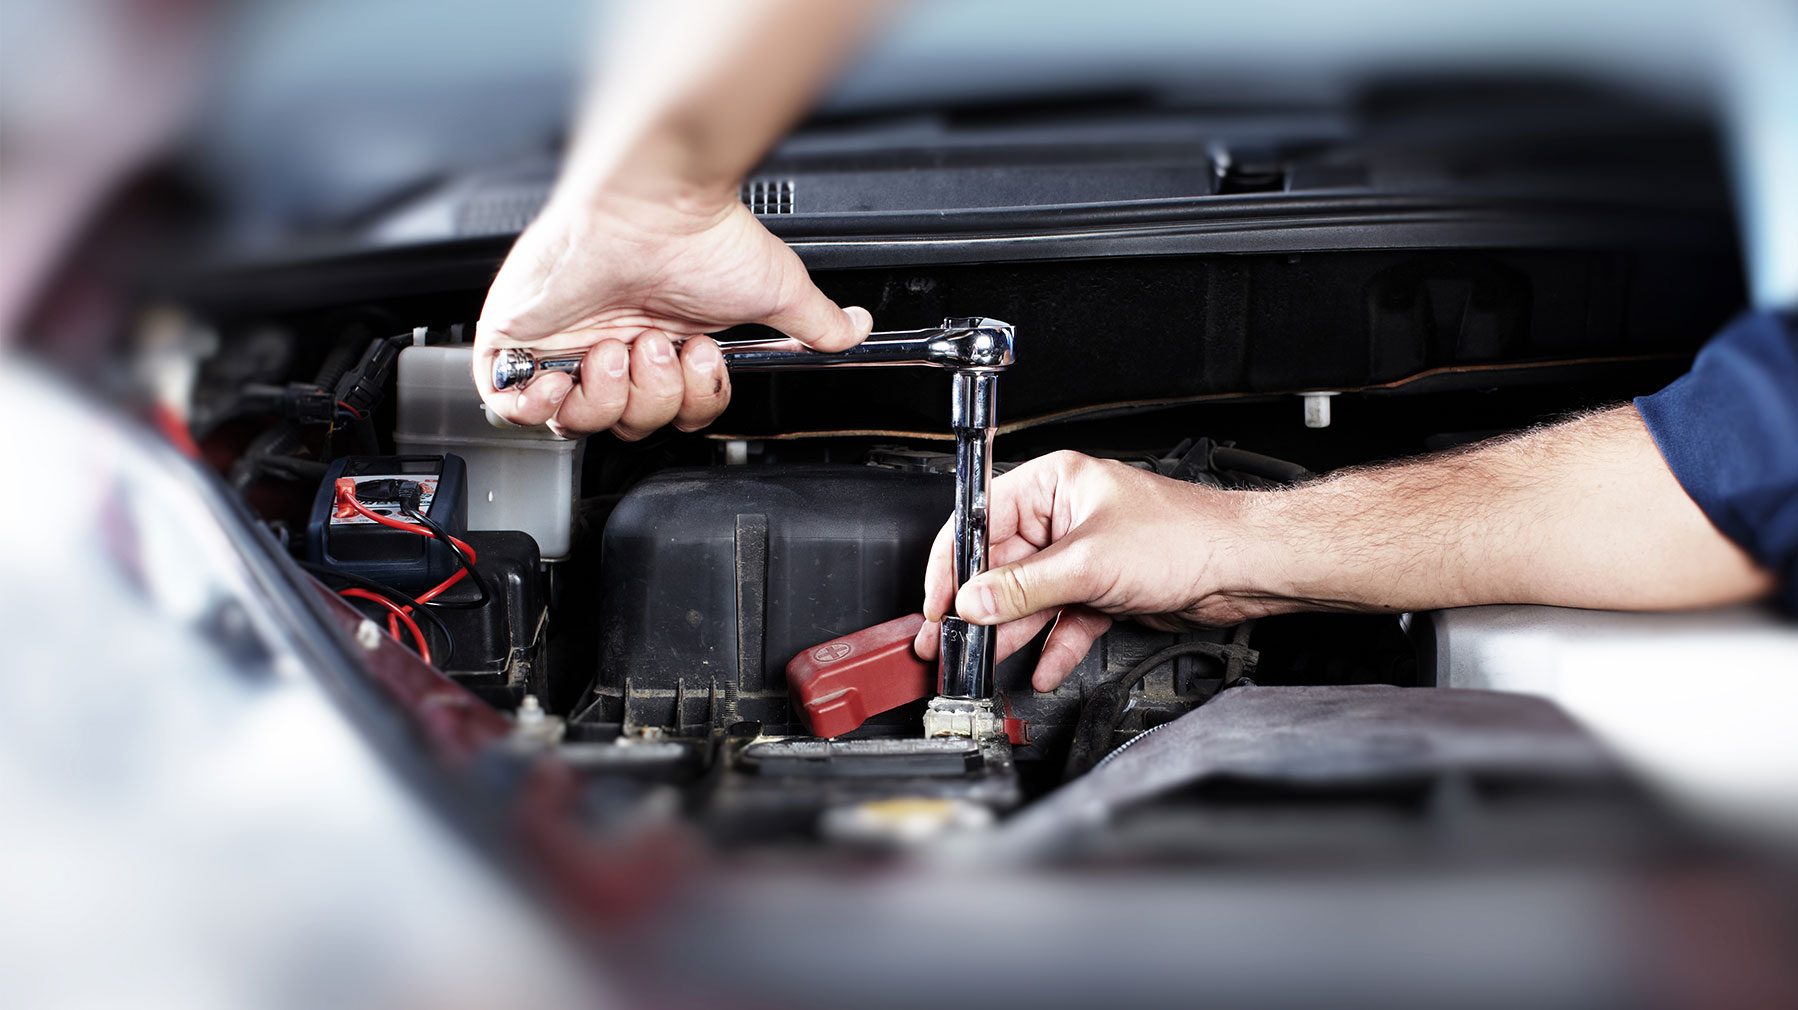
975 344
512 366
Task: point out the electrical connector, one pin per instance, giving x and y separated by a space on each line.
343 499
307 404
394 489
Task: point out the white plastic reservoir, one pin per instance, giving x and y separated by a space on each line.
518 478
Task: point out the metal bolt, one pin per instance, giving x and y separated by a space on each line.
1317 409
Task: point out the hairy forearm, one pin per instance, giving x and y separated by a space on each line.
689 94
1582 514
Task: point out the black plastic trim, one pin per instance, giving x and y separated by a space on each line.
1253 223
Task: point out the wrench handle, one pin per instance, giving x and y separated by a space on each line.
959 344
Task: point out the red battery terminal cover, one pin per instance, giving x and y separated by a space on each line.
345 493
838 685
1017 729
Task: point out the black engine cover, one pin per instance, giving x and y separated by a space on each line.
715 578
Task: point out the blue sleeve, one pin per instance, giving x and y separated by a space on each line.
1728 429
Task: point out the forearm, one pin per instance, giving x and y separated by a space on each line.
1582 514
689 94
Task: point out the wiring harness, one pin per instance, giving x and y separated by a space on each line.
350 500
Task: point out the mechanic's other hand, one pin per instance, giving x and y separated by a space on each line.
1080 541
626 276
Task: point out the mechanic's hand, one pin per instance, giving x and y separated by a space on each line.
1079 541
621 275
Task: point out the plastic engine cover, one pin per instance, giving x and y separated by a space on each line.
715 578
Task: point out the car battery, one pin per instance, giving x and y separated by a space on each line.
350 542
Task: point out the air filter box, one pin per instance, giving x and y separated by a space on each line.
715 578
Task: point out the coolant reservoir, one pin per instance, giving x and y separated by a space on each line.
518 478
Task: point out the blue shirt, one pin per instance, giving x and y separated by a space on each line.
1728 429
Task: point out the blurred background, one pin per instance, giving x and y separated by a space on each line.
299 116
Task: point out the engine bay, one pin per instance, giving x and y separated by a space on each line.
336 687
635 609
652 649
1233 300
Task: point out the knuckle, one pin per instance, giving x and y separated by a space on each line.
654 391
644 414
1111 469
1017 586
648 410
667 389
1110 478
587 421
1073 467
606 396
658 411
705 393
695 419
528 413
1061 657
644 364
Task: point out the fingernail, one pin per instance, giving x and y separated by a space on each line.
980 604
659 350
615 361
705 357
561 394
860 317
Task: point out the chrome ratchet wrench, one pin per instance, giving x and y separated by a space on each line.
974 351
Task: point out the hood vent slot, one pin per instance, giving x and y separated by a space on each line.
768 196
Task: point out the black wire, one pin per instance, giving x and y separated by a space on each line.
422 611
1217 650
467 565
1103 711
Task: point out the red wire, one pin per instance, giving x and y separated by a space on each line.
437 590
399 524
398 613
357 414
174 429
434 591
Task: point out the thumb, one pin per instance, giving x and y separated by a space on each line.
1053 577
815 321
